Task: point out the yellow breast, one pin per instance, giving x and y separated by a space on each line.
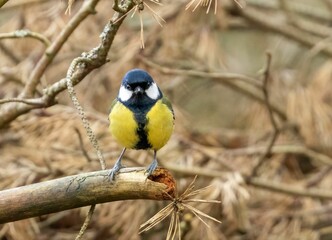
160 125
123 125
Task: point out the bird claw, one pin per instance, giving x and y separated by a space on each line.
150 169
114 171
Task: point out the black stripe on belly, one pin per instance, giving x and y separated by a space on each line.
143 142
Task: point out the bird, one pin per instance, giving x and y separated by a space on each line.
141 117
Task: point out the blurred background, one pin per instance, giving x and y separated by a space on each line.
222 126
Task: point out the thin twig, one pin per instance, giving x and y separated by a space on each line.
283 149
308 56
289 189
92 137
9 53
3 2
80 139
86 222
179 203
268 22
303 24
257 182
87 9
222 76
33 101
317 178
232 80
22 4
276 131
98 57
86 124
70 4
298 7
25 33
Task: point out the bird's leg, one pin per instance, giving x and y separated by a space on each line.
117 166
153 165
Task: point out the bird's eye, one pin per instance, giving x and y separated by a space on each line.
128 87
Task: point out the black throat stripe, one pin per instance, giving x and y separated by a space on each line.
143 142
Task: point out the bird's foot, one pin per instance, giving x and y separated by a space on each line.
152 167
114 171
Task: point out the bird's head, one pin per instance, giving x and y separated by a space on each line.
138 88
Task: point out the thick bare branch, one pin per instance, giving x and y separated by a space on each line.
83 190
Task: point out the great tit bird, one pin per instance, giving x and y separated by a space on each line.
140 117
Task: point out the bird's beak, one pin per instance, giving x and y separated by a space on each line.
138 90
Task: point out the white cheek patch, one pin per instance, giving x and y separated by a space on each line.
153 91
124 94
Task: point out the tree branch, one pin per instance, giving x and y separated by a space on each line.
270 23
241 83
218 76
98 57
276 130
287 149
87 9
257 182
34 101
24 33
3 2
287 188
83 190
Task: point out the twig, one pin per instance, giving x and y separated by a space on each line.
86 222
193 170
313 181
33 101
98 56
241 83
83 190
25 33
306 60
287 149
257 182
86 124
218 76
297 7
3 2
92 137
268 22
288 189
69 5
10 54
303 24
22 4
50 53
80 139
276 131
177 206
